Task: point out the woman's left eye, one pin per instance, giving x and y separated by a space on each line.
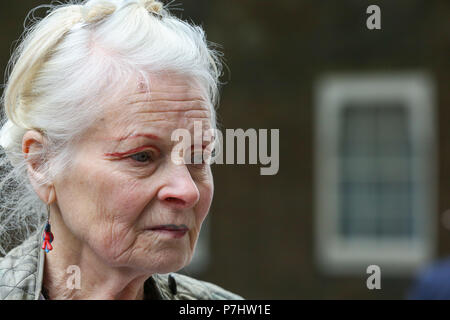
141 157
197 158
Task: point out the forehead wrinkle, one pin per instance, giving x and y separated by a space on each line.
141 109
141 121
186 114
162 123
159 110
146 118
169 105
149 122
172 95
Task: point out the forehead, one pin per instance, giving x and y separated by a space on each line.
167 102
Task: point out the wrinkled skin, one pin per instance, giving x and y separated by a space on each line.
108 198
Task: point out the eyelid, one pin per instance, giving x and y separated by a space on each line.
132 152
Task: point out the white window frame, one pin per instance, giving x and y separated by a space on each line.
334 254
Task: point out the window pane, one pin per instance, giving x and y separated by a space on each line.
375 171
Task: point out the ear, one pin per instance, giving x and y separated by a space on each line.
32 148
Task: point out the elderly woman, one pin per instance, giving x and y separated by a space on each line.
95 91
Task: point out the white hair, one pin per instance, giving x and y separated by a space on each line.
66 67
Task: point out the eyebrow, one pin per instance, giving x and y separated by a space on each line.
135 150
145 135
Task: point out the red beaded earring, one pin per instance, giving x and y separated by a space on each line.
48 235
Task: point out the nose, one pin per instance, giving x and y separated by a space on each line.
180 191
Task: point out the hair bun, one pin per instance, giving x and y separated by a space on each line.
98 11
152 6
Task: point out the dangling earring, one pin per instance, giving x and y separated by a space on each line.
48 235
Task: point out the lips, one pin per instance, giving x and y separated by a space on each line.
170 230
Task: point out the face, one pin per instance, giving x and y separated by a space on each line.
124 196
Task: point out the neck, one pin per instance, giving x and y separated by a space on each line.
74 271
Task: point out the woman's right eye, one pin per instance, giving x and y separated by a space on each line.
141 157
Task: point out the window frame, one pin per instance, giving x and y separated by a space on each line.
334 254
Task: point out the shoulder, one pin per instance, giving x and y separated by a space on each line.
18 271
181 287
432 283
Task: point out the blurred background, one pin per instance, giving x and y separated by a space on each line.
364 169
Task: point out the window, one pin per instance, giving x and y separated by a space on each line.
375 172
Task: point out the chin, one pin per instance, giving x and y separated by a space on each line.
172 264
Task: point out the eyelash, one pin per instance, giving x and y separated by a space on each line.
151 159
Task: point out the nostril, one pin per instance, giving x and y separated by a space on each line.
175 201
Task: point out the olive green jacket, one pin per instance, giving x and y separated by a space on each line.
21 275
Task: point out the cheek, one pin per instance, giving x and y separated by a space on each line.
126 199
118 203
113 193
105 203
